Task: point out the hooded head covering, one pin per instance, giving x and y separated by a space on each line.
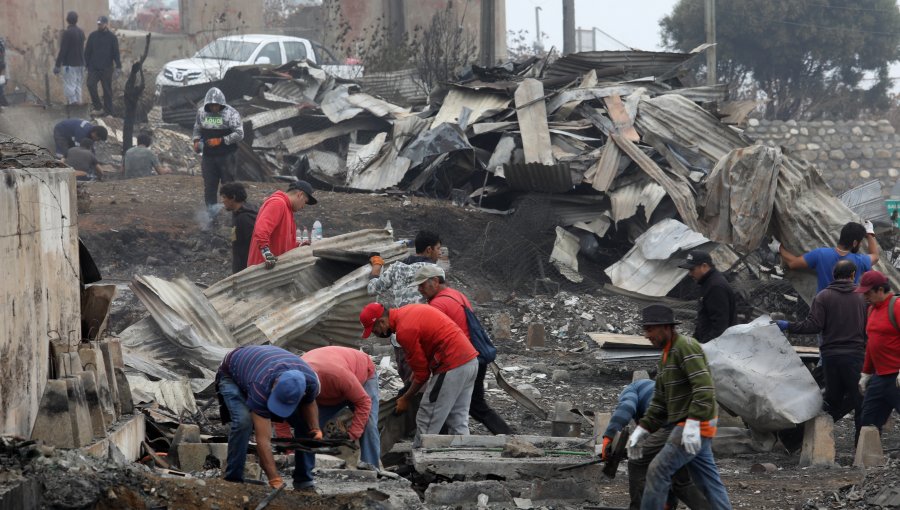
214 96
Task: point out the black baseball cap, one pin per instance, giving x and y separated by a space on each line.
695 258
102 20
306 188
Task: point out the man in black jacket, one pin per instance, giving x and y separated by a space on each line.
839 315
234 196
718 310
70 60
100 53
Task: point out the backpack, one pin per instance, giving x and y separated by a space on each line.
487 352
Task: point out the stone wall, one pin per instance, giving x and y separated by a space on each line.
847 153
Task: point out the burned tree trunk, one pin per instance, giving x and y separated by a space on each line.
134 87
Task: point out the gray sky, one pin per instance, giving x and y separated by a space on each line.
634 23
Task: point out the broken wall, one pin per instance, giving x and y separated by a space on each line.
40 292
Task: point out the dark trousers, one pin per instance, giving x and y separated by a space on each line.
216 170
882 397
104 77
683 487
842 387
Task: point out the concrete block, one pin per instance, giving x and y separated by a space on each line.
53 425
186 433
868 450
126 404
329 462
601 421
764 467
192 456
566 489
22 494
466 493
640 374
92 360
110 373
220 451
98 419
68 364
79 412
818 442
114 345
125 436
537 335
502 327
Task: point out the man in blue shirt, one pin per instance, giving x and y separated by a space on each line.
69 133
822 260
256 385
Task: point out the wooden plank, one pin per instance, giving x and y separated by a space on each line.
618 341
533 122
623 122
602 174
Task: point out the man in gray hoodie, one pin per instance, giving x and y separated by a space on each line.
217 131
839 315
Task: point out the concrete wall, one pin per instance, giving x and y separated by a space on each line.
847 153
40 292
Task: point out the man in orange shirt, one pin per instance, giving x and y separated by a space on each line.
442 360
275 231
431 284
347 378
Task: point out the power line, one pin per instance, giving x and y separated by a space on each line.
841 29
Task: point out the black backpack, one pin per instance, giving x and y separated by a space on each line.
487 353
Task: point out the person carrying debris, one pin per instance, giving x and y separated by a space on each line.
394 287
68 133
347 378
275 231
255 385
243 218
684 398
718 307
880 377
822 260
633 403
100 54
839 314
442 360
217 131
140 161
70 59
429 279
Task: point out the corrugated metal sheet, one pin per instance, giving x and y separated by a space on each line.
389 169
867 201
625 200
479 104
177 396
263 119
308 140
537 177
617 64
339 104
401 86
646 268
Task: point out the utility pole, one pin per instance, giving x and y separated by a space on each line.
538 45
568 26
711 40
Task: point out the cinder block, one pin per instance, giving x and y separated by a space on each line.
110 378
868 450
640 374
566 489
219 451
126 404
502 327
536 335
79 412
186 433
53 424
818 442
192 456
98 419
92 360
466 493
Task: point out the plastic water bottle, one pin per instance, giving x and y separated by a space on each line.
304 236
299 235
389 228
316 231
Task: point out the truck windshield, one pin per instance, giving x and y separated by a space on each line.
223 49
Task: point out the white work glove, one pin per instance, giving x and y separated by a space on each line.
690 438
775 246
864 381
870 229
634 451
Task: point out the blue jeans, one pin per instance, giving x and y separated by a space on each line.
882 397
241 428
369 443
702 467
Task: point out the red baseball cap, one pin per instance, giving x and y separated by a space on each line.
870 279
371 313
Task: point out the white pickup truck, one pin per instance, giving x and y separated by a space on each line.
217 57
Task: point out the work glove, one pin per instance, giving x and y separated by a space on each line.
604 450
214 142
270 259
775 246
690 438
376 260
402 405
864 381
276 482
117 73
56 70
782 325
870 229
315 434
197 146
635 452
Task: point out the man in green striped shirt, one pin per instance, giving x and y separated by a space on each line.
684 399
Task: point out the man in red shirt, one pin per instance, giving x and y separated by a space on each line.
432 285
275 231
347 378
433 345
880 381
